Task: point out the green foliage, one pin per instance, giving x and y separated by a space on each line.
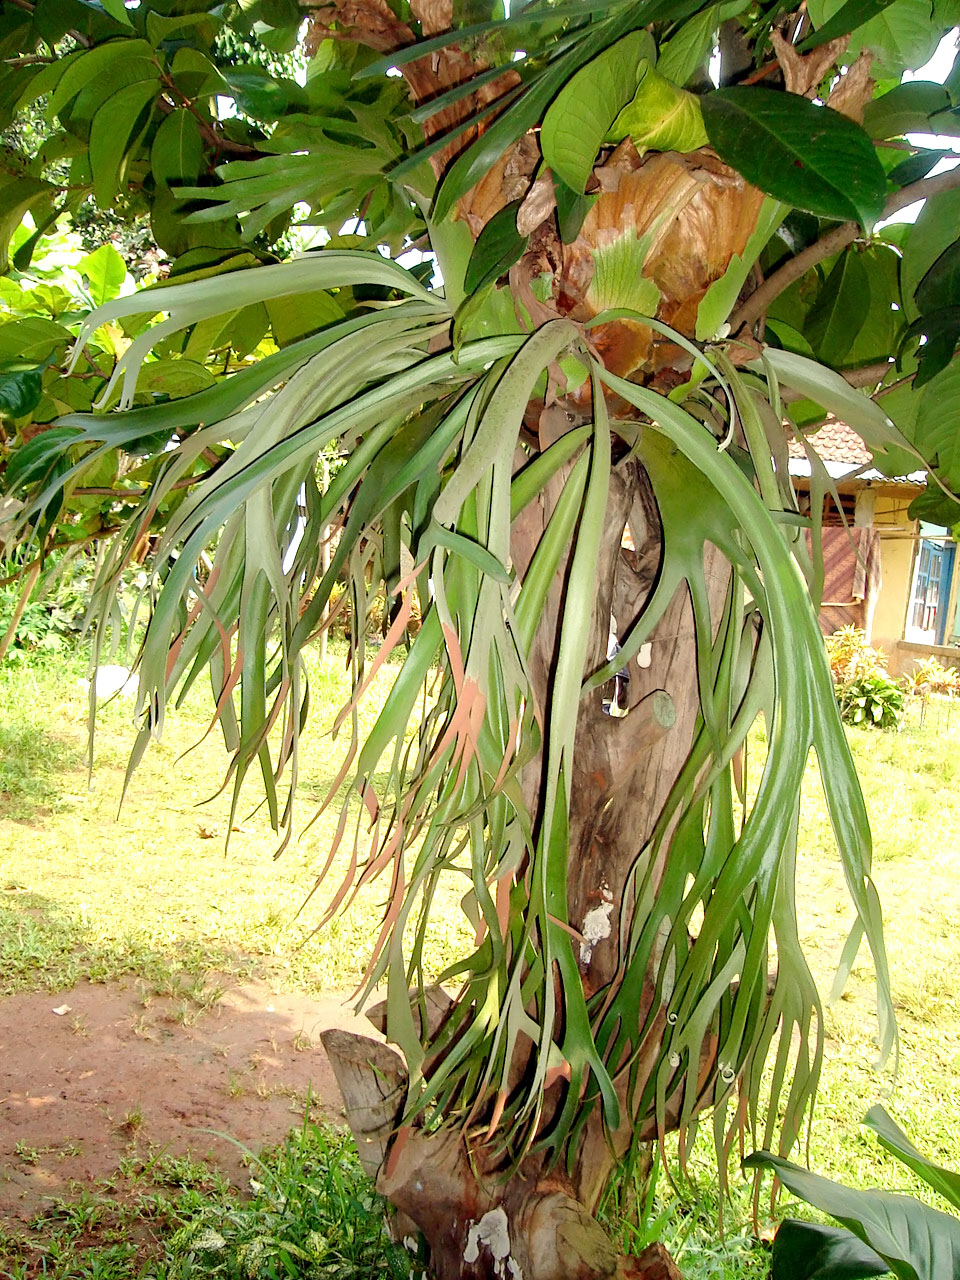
930 676
865 693
883 1232
313 1210
872 699
811 157
310 1210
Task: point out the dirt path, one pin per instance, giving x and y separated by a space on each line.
99 1073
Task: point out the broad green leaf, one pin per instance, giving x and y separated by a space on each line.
93 64
877 329
936 507
900 36
811 1251
17 198
258 94
660 116
941 334
847 16
810 157
122 115
204 25
195 75
940 286
580 116
915 1241
177 154
46 79
498 247
944 1181
33 339
836 316
118 10
104 271
916 167
292 318
174 378
933 431
905 109
20 392
684 53
933 232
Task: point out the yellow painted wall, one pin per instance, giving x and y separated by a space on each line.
897 544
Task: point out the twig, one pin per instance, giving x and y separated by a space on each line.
213 138
25 594
836 239
869 374
900 382
59 545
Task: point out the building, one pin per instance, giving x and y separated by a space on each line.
890 575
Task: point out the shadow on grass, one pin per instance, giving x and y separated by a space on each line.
32 762
45 946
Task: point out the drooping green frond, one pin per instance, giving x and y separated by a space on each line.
435 466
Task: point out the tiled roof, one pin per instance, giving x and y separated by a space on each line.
834 442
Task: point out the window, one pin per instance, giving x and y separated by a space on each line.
926 616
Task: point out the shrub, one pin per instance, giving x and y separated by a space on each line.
871 699
865 692
931 676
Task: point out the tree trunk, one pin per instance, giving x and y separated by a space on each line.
694 215
538 1223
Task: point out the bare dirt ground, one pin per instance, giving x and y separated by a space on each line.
100 1073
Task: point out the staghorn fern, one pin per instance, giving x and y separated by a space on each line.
431 443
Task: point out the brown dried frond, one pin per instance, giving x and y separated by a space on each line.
369 22
802 72
854 90
697 213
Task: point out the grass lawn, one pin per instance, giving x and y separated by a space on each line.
150 892
95 887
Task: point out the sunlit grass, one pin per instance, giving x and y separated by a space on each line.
104 889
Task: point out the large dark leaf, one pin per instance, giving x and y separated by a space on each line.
811 157
940 287
835 318
498 247
934 506
852 15
20 392
941 333
905 109
916 167
812 1251
915 1241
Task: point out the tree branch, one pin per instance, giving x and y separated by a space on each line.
213 137
869 374
836 239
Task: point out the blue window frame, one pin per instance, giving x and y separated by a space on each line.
931 589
